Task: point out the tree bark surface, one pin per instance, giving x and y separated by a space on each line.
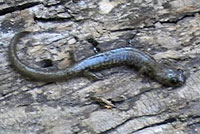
166 29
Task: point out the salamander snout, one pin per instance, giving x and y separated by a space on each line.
177 77
172 77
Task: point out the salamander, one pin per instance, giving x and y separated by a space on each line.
129 56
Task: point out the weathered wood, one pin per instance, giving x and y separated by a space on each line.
165 29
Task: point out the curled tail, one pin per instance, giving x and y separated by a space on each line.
34 73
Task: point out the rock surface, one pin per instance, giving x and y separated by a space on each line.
167 29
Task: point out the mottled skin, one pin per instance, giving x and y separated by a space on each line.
123 56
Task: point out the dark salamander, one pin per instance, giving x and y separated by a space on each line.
146 64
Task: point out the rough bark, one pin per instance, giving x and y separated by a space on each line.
168 29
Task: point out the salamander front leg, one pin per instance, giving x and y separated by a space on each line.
142 71
165 62
145 71
92 76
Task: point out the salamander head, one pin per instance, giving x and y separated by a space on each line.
170 77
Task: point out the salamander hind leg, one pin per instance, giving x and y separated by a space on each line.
92 76
72 57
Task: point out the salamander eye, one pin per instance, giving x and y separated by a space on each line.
174 80
180 70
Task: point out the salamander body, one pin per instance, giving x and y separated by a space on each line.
122 56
